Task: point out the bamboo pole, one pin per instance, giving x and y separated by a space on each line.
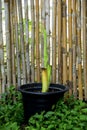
2 72
32 41
7 30
43 18
27 41
74 38
64 31
84 42
43 23
12 41
47 14
59 42
18 54
0 81
70 44
79 49
37 43
54 41
19 3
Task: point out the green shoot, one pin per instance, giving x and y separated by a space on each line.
46 71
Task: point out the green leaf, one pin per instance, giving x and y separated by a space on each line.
53 107
76 128
42 128
38 125
49 113
83 117
84 110
30 128
10 126
51 126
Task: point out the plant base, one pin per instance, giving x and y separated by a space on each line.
35 101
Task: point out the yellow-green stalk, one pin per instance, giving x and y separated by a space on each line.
44 80
46 71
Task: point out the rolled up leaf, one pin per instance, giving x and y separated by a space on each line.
46 71
44 80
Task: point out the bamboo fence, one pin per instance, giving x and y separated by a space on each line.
22 43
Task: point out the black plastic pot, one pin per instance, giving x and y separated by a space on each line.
35 101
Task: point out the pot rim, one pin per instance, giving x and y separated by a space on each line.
59 87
